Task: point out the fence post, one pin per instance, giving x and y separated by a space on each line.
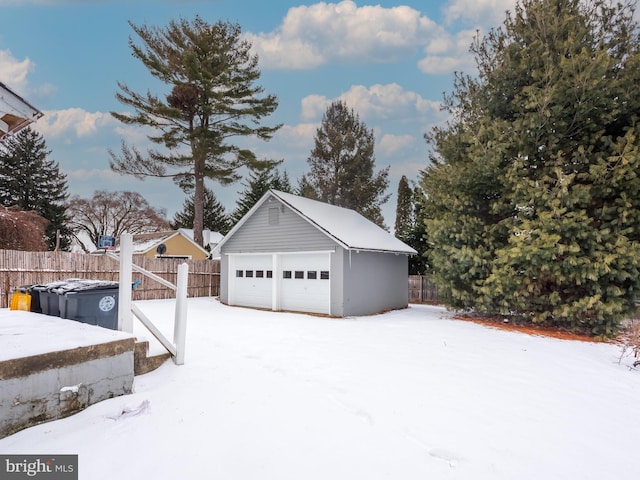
125 317
180 324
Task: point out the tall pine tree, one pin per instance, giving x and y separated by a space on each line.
342 165
533 199
211 75
31 181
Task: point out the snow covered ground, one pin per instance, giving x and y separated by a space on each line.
406 395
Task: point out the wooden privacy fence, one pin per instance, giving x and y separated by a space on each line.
421 290
19 268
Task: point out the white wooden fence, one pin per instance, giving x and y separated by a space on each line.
126 308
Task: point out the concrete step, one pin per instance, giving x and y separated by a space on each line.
145 363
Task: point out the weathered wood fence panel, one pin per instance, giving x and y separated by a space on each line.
19 268
421 290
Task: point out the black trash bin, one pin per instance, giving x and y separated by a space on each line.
35 290
48 296
90 301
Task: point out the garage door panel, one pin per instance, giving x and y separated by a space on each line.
252 277
305 283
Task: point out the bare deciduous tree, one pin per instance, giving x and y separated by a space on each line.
113 213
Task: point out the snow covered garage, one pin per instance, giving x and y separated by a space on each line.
296 254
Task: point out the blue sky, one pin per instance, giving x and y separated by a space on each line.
390 61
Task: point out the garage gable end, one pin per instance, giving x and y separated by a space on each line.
270 227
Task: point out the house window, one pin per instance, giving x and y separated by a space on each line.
286 274
269 273
259 273
299 274
239 273
324 275
312 275
249 274
274 216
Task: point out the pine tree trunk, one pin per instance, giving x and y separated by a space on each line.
198 202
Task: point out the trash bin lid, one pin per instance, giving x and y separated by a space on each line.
79 285
52 286
86 285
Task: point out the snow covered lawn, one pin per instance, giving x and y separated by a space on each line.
406 395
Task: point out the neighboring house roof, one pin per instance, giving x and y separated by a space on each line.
208 237
15 112
145 242
347 227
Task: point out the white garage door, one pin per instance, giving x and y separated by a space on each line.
305 282
251 280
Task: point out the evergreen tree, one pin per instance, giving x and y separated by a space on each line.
342 165
404 209
211 74
418 238
30 181
408 228
533 198
260 181
304 189
405 224
215 217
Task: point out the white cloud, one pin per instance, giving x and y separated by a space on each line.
73 122
389 102
391 144
13 72
310 36
313 106
376 103
296 136
488 13
449 53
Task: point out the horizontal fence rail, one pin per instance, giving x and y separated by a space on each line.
18 268
421 290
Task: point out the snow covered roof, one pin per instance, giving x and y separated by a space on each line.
15 112
347 227
208 237
144 242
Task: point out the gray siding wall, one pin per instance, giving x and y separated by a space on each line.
291 234
374 282
337 282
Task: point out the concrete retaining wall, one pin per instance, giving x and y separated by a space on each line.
52 385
